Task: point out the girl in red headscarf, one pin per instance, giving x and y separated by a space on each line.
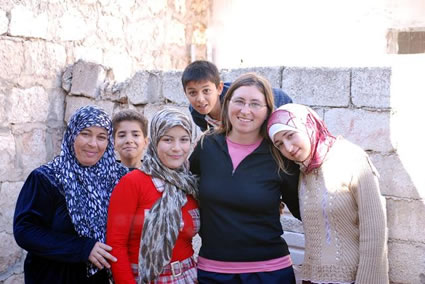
341 206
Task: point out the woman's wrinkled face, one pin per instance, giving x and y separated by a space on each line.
90 145
174 147
294 145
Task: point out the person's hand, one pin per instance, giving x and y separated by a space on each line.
281 207
99 255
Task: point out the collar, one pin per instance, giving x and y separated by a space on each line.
220 139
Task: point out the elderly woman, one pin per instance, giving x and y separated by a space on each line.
61 211
153 215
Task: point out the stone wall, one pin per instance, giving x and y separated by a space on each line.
38 39
378 108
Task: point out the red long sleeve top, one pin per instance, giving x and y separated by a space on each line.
134 195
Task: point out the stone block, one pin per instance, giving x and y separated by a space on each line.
24 22
368 129
89 2
73 27
172 88
272 74
112 26
3 108
121 8
406 261
31 149
370 87
120 62
44 61
22 102
317 86
112 91
56 110
10 70
180 6
54 138
394 178
4 22
90 54
162 59
8 195
156 6
66 80
7 155
142 88
175 33
74 102
10 252
137 34
87 78
406 219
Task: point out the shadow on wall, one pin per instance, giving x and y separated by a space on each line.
363 105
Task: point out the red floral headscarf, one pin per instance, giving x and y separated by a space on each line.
303 119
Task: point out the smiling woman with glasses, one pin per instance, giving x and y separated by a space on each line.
241 230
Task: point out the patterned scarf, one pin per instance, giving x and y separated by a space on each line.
87 189
163 222
297 117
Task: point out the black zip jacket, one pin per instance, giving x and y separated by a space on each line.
240 218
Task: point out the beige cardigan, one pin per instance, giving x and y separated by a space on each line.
344 219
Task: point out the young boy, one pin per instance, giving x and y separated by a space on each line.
205 92
130 134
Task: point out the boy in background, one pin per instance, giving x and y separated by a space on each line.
205 92
130 132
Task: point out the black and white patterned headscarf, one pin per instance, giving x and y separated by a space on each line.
163 222
87 189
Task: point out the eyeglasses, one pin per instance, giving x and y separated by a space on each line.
240 103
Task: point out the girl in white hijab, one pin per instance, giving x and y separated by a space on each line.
342 209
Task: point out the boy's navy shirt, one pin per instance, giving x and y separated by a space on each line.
280 98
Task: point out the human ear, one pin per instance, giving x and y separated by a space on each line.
220 87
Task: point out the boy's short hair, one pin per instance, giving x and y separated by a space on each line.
130 115
200 70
